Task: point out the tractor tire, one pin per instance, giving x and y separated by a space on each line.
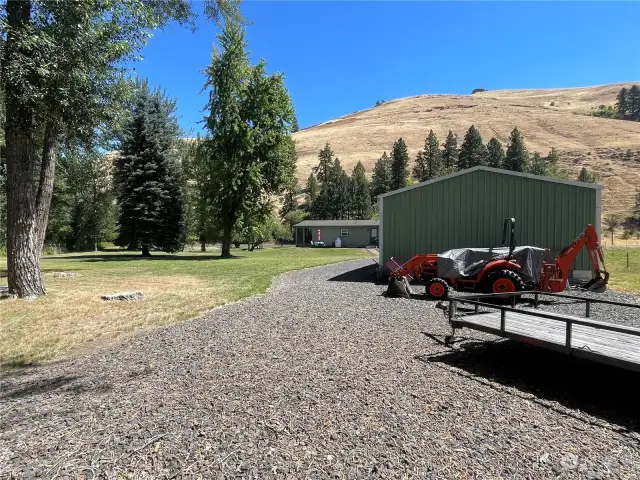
437 289
504 281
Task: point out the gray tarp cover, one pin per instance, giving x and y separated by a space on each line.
467 262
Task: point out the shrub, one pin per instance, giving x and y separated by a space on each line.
605 111
478 90
553 104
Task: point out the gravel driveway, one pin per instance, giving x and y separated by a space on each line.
321 377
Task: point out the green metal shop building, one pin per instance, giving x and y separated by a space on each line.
468 208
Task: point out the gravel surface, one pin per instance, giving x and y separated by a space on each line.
321 377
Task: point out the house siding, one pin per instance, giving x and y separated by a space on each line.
358 236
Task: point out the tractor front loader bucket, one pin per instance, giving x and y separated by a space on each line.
398 287
596 285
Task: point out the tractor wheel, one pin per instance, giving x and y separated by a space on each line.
504 281
437 288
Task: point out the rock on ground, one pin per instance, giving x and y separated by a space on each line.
319 378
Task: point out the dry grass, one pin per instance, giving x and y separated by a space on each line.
176 288
599 144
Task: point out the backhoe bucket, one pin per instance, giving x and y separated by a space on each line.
596 285
398 287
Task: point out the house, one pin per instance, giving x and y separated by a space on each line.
352 233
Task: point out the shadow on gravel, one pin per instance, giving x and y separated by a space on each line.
366 274
37 387
125 258
603 391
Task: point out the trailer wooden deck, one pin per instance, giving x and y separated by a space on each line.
603 342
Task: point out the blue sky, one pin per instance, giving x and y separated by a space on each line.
340 57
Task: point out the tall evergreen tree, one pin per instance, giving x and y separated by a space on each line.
381 177
311 191
450 152
420 167
432 157
325 164
634 103
472 151
517 158
149 190
251 152
538 165
289 198
360 197
586 177
495 153
622 105
399 165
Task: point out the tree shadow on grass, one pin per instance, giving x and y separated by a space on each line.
128 258
600 390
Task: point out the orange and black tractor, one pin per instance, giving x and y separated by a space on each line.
503 274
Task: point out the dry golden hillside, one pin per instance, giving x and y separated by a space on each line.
547 118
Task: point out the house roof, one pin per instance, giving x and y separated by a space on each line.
496 170
338 223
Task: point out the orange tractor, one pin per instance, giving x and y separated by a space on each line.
518 269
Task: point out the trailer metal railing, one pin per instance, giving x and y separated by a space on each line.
456 321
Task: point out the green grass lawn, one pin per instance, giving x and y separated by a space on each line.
623 278
176 288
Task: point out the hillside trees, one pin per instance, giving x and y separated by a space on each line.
472 153
399 165
147 178
586 176
250 155
360 208
495 153
62 75
429 161
517 157
381 177
450 152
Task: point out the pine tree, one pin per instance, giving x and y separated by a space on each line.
622 105
294 123
420 167
311 190
586 177
517 158
432 157
450 152
495 153
360 207
634 103
399 165
149 190
472 151
325 164
289 198
381 177
538 165
340 192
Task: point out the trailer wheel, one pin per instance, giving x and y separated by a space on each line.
437 288
505 281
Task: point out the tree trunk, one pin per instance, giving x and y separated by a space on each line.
203 246
145 251
226 243
23 252
45 186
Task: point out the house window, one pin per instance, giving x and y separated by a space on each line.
344 232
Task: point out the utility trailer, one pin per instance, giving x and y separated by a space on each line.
603 342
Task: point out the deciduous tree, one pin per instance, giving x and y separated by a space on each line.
249 117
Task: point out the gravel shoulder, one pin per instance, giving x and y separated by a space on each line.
320 377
